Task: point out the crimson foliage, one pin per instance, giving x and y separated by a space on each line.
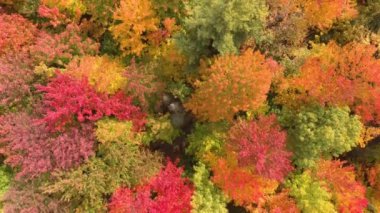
261 144
167 192
66 98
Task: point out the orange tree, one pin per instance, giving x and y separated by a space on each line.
337 76
233 83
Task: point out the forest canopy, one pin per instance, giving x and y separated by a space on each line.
177 106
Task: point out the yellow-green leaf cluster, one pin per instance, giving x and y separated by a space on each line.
160 128
112 130
207 197
310 195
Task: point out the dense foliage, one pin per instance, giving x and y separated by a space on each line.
206 197
189 106
261 145
316 133
166 192
238 83
221 26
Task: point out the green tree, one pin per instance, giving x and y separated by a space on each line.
207 138
207 197
117 164
316 132
221 26
309 194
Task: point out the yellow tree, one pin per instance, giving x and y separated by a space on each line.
138 20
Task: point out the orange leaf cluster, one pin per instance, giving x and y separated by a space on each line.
348 194
338 76
139 26
240 184
282 203
323 13
233 83
373 174
16 33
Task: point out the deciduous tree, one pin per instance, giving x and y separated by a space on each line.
260 145
233 83
221 26
165 192
316 133
338 76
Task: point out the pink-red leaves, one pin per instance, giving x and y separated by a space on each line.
66 98
167 192
59 49
15 76
16 32
261 145
32 149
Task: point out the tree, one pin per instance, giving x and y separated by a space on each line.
309 194
142 84
73 8
323 13
6 176
241 185
289 28
207 138
139 26
67 99
59 49
349 195
316 132
112 130
260 145
28 198
206 197
17 33
116 164
16 77
221 26
373 192
34 151
104 74
282 203
235 82
165 192
337 76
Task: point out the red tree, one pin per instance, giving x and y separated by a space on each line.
66 98
35 151
167 192
261 145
